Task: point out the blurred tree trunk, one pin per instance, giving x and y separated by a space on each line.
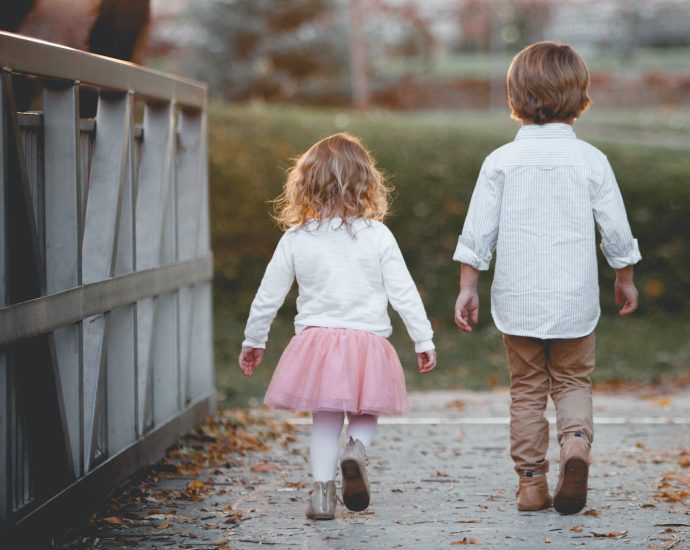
13 12
114 28
120 28
358 57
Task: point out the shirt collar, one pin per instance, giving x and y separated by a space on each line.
549 130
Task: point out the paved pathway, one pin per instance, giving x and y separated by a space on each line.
441 477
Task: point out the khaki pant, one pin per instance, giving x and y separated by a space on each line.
539 368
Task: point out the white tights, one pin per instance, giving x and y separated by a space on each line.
325 439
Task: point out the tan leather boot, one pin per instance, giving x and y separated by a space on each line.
571 492
533 492
322 500
355 483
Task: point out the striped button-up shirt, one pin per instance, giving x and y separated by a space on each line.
536 203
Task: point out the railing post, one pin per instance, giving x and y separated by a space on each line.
106 188
121 360
188 188
62 230
166 370
156 317
4 375
202 340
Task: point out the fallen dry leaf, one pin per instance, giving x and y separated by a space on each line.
592 513
666 542
610 534
495 379
466 521
294 484
673 487
456 404
265 467
164 524
121 541
196 484
576 528
235 518
465 540
114 520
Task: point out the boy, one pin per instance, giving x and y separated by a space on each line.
536 203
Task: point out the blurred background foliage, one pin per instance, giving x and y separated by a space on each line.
422 82
433 160
275 49
443 64
417 54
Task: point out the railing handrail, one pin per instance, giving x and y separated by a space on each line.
38 57
47 313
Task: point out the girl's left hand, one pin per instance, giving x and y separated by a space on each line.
250 358
426 361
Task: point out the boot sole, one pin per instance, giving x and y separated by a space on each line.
320 516
355 493
572 494
538 508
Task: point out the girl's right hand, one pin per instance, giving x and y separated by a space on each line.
250 358
426 361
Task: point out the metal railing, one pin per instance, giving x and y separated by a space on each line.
105 269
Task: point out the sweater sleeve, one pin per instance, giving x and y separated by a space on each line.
403 295
275 285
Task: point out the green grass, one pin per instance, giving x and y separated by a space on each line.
433 160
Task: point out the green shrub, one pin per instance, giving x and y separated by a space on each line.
433 162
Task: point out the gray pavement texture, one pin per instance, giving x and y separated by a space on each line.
441 477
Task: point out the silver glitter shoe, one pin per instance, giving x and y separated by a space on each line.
355 483
322 500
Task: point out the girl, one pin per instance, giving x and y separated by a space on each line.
348 266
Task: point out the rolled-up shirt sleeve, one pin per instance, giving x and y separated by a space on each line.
477 242
617 242
275 285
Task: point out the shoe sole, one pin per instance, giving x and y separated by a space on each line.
355 493
320 516
544 506
572 495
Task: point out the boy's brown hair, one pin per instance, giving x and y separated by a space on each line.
546 82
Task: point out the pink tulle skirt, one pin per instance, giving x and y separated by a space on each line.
338 369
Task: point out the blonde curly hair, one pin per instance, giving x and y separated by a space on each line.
335 178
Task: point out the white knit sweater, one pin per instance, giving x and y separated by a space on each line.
346 279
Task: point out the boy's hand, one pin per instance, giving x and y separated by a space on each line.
466 309
624 290
250 358
426 361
